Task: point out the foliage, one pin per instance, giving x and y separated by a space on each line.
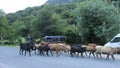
3 25
72 34
16 30
95 20
54 21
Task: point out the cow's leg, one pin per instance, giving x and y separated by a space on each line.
100 55
86 53
29 53
77 54
47 53
113 57
35 49
97 55
51 52
22 51
82 55
90 53
93 54
107 56
25 53
71 53
57 53
43 53
40 52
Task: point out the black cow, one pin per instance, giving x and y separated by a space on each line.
43 49
25 47
32 44
77 49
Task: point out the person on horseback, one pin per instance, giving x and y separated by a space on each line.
28 38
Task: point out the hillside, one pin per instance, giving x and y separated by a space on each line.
32 10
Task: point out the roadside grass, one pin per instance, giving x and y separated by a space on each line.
13 43
9 45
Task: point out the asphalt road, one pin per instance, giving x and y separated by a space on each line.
10 58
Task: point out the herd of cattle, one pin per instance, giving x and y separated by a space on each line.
45 48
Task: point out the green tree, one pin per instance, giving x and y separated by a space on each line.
3 25
48 22
16 30
95 20
72 33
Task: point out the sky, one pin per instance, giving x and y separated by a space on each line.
11 6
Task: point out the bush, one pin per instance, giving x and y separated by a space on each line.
9 42
38 41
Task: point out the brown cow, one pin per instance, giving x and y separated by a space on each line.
90 48
58 47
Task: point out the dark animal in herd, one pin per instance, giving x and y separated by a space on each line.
24 47
27 47
77 49
43 49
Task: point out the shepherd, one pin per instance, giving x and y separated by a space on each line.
28 38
